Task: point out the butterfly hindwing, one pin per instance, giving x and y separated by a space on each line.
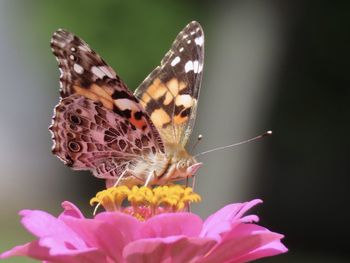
170 93
99 124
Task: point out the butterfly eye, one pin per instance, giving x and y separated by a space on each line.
181 165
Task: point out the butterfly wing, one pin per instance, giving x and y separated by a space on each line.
81 67
99 125
170 93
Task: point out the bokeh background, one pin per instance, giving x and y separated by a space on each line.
279 65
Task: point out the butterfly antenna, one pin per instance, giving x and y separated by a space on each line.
199 138
235 144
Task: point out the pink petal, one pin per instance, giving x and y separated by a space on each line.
34 250
30 249
271 249
175 249
116 231
86 229
244 240
70 210
226 218
172 224
54 232
57 242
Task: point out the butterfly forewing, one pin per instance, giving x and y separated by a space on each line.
170 93
79 65
99 124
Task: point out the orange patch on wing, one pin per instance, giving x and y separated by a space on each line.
157 89
182 85
96 93
137 123
179 120
173 86
168 98
100 91
109 90
145 99
160 117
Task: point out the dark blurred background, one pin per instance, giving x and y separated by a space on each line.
279 65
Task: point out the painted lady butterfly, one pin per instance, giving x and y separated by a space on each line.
125 138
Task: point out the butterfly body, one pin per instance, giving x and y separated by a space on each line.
177 164
180 164
101 126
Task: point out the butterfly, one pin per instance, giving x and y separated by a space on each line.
123 137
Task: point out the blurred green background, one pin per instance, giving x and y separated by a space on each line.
279 65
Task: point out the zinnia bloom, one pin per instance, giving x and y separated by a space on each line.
153 228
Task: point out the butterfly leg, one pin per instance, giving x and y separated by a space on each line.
193 182
109 183
193 185
149 177
113 183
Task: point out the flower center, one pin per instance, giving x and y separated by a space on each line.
144 202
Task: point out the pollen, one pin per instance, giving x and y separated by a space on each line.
144 202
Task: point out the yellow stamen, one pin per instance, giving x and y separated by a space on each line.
145 201
112 198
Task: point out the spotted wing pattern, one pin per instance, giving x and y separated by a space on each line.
80 66
170 93
99 124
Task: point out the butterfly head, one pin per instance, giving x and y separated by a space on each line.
182 165
187 167
183 169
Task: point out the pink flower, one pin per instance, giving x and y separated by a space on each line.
226 236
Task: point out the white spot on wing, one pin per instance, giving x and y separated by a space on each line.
84 48
181 49
61 72
71 57
188 41
199 40
200 68
193 65
126 104
175 61
107 71
188 66
78 69
96 71
184 100
102 71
